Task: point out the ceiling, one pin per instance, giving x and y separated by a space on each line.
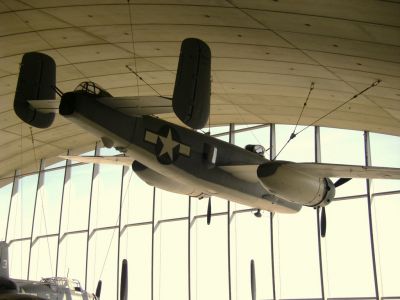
265 55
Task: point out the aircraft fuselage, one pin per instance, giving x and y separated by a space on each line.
181 155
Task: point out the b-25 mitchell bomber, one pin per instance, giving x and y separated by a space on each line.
176 158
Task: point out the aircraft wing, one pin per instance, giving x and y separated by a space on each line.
108 160
347 171
249 172
132 106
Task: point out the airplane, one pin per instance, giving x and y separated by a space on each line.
175 157
53 288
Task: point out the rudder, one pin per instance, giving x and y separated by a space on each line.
36 81
192 91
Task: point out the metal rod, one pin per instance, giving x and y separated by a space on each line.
272 154
152 244
124 171
367 150
189 249
38 186
95 171
67 177
317 147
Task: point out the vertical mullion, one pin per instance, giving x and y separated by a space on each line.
67 177
124 171
38 187
95 172
367 152
272 154
231 141
14 190
317 152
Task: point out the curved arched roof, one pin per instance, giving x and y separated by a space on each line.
265 56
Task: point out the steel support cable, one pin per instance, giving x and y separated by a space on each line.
293 135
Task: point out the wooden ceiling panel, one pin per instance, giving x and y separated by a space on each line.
265 56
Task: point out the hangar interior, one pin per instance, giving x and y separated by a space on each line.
268 59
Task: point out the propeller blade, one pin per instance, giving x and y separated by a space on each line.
341 181
209 212
253 280
98 289
323 222
124 281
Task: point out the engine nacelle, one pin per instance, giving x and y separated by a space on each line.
292 185
160 181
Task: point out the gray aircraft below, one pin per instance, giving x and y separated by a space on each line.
53 288
178 158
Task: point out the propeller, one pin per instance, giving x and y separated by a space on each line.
98 289
338 183
253 280
209 211
323 222
124 281
341 181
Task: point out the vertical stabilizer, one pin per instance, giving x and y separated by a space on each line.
4 260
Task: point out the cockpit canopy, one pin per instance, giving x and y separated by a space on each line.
92 88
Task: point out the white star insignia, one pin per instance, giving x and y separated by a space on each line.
168 145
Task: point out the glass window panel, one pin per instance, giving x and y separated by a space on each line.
5 197
387 243
247 126
137 199
244 248
385 151
218 129
43 258
76 198
48 203
18 259
170 205
347 250
299 149
209 262
72 256
170 260
106 196
340 146
258 136
296 255
23 203
102 264
136 248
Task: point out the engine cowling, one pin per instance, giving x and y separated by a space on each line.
295 186
160 181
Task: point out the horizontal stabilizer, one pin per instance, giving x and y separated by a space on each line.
108 160
131 106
